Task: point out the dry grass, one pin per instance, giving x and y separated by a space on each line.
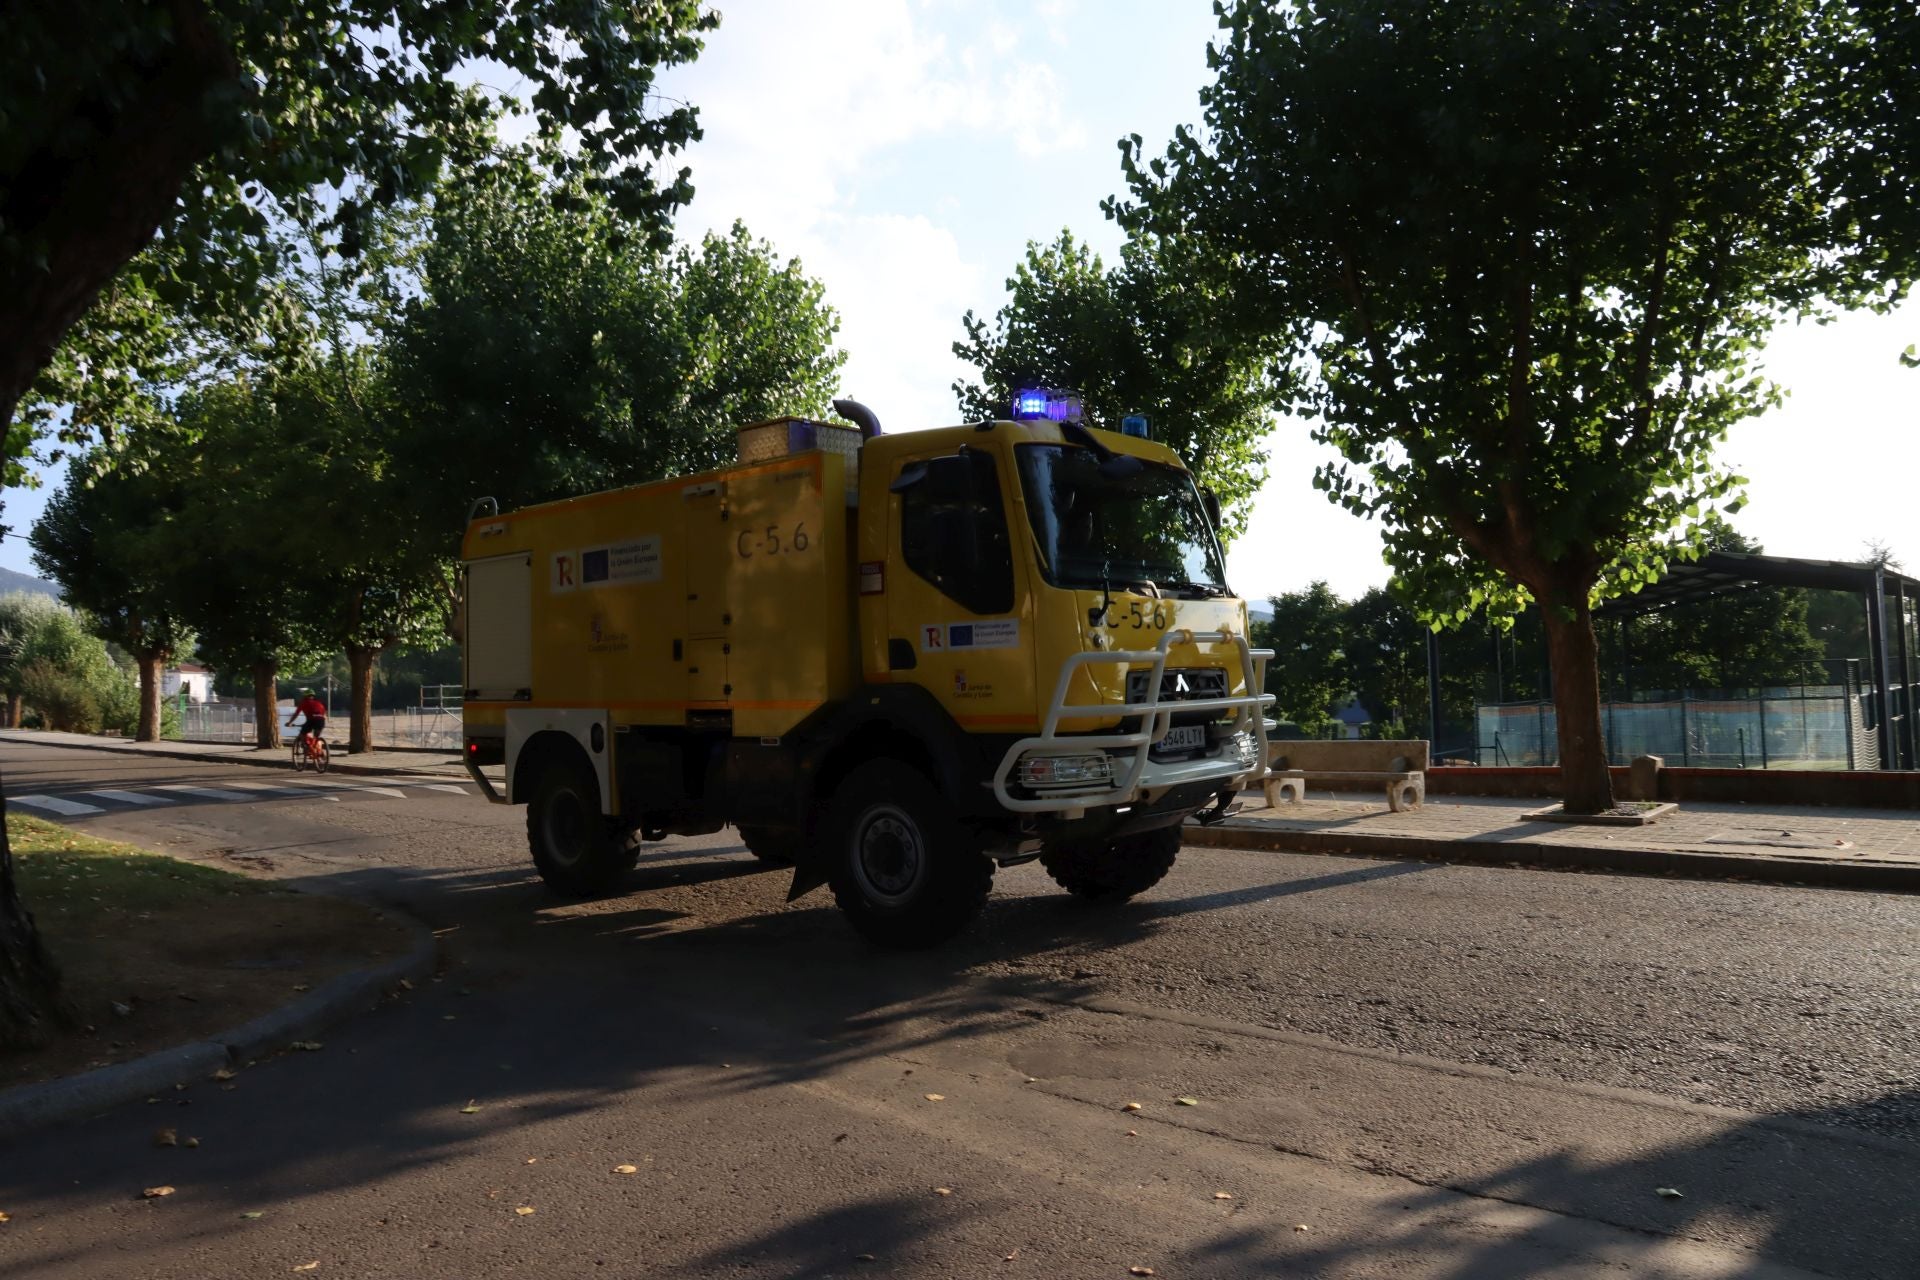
157 952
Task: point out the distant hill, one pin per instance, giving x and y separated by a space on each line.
11 580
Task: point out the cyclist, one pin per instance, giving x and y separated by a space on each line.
314 710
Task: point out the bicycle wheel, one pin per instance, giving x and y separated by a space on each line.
321 755
299 755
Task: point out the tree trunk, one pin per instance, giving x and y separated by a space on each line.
150 661
1585 784
13 711
266 711
360 659
30 998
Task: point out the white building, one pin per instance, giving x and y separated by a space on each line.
189 680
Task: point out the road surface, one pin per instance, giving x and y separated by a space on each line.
1395 1069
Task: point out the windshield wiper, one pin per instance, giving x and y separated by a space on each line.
1211 590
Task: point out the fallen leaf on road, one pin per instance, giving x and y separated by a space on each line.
309 1266
1132 1106
1011 1256
5 1217
863 1257
301 986
1188 1102
1140 1271
943 1191
1301 1226
307 1046
1223 1195
470 1108
839 1137
936 1097
252 1214
154 1193
1669 1193
165 1138
406 985
533 1159
524 1210
224 1073
626 1168
191 1142
448 1017
1133 1133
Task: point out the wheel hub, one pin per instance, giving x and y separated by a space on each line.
890 858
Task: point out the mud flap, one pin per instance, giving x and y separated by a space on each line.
808 874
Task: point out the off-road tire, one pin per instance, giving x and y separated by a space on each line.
904 869
773 846
1112 870
577 850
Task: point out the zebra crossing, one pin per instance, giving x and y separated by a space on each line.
83 804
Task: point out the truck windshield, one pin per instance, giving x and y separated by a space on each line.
1094 530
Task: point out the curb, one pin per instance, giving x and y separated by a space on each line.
33 1106
1684 863
259 759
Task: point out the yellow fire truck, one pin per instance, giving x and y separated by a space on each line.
894 661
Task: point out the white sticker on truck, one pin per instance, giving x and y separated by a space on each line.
622 563
995 633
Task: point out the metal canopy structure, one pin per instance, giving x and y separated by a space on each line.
1721 572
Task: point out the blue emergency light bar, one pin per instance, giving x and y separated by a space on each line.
1041 405
1134 424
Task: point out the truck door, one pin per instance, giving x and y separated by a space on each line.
709 618
497 631
955 602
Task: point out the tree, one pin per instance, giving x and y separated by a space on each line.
1384 646
543 357
199 119
247 595
99 539
1528 253
1141 338
23 616
203 119
1308 674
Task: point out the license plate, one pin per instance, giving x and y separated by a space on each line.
1186 737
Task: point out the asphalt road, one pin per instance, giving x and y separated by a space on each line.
1447 1071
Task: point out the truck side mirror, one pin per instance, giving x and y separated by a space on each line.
1211 501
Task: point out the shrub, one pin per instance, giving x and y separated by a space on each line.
65 699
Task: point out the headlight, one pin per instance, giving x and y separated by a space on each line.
1041 771
1246 747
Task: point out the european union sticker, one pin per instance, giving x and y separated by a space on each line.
994 633
593 565
960 635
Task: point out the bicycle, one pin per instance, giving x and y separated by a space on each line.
310 752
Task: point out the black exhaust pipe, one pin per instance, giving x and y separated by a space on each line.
860 416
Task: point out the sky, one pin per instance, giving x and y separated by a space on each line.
906 151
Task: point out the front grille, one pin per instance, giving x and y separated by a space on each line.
1180 684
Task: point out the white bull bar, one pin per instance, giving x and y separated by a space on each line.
1142 775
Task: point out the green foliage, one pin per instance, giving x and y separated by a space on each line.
1308 674
101 538
540 361
220 125
1145 337
54 662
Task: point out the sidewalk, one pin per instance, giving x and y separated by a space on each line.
444 764
1854 848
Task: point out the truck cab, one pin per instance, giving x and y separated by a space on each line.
1012 641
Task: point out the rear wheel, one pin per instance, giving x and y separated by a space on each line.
577 850
321 755
1112 870
903 868
771 845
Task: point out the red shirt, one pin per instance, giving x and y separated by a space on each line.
311 707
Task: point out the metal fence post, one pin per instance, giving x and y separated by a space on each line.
1763 730
1686 747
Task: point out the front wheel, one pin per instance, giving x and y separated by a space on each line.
299 756
576 849
902 866
1112 870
